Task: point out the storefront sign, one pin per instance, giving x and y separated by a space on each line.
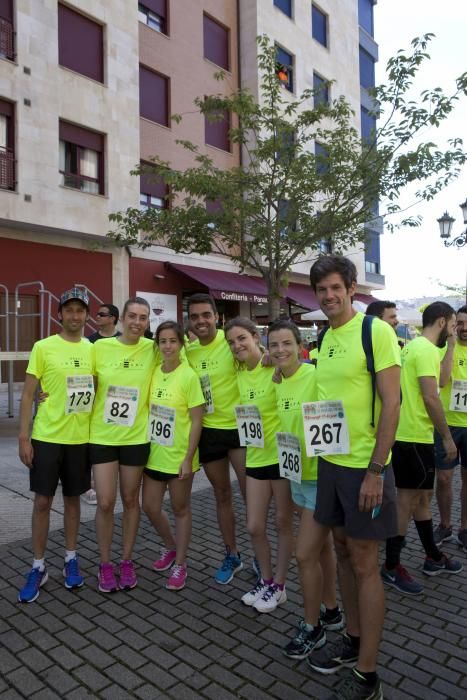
239 296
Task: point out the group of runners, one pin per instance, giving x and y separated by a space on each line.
314 438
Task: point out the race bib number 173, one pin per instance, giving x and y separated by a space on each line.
79 394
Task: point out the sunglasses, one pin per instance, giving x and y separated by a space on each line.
101 314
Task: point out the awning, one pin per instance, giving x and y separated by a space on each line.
301 295
365 298
230 286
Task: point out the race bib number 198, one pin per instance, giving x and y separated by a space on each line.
250 426
121 404
325 427
79 394
290 458
458 401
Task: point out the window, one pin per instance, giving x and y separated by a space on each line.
367 69
319 25
81 163
365 15
321 159
80 44
285 6
321 95
372 267
216 42
285 217
372 252
286 146
154 14
7 145
284 64
216 132
368 125
6 30
153 96
325 246
153 192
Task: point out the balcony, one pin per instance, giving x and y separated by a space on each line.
7 44
7 168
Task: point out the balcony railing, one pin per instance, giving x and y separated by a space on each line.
7 44
7 168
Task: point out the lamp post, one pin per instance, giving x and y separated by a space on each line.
445 223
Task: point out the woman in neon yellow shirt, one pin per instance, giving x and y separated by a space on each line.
258 423
175 421
317 570
119 444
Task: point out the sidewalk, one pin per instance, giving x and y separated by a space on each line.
200 642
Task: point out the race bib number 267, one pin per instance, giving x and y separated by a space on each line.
325 427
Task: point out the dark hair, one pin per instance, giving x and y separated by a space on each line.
327 264
376 308
286 325
135 300
436 310
113 311
462 310
170 326
241 322
201 298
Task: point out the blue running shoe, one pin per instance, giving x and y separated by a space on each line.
73 578
444 565
30 591
231 564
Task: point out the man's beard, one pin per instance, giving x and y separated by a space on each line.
442 338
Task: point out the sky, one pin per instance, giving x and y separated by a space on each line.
414 260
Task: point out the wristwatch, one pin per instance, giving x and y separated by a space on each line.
376 469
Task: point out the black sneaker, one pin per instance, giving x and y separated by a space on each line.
334 656
353 688
330 620
305 641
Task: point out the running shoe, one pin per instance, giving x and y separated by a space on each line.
107 583
128 578
271 598
330 620
462 539
73 578
30 591
305 641
165 561
177 578
444 565
353 687
442 534
230 566
252 596
400 579
334 656
90 497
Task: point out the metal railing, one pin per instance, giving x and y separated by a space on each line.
7 39
7 168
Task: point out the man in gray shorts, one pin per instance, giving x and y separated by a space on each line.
356 493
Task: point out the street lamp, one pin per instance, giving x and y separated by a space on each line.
445 223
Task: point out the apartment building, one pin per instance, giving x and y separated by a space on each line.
74 123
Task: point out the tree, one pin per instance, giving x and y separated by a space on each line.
307 175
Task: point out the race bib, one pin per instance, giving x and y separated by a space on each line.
458 396
161 427
207 393
79 394
290 457
121 404
250 426
325 427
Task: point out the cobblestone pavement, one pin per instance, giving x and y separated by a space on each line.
201 642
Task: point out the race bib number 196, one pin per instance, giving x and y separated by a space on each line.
458 396
121 404
162 425
79 394
325 427
290 459
250 426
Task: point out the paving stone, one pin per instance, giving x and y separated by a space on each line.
123 676
62 681
24 681
253 674
66 658
35 659
91 677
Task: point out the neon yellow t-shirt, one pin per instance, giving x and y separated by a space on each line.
257 388
179 390
129 367
420 358
291 393
341 375
215 366
457 419
52 360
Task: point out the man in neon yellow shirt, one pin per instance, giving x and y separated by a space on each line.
58 449
213 362
356 493
453 395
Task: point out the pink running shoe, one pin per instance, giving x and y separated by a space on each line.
107 583
165 561
177 578
128 578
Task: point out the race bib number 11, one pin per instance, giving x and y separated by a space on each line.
325 427
290 457
121 404
458 396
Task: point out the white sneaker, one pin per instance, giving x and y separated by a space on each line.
271 598
90 497
252 596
